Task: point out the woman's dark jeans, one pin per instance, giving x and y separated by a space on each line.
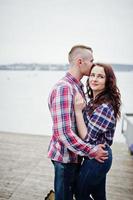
65 180
92 178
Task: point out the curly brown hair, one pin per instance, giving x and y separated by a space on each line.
111 94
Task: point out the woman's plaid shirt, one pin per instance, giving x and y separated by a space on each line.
101 124
65 146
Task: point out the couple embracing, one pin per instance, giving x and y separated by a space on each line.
83 127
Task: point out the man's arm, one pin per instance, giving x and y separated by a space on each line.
62 105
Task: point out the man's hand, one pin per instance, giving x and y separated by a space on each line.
101 154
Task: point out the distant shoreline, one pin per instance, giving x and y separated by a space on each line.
54 67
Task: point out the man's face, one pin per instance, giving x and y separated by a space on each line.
87 62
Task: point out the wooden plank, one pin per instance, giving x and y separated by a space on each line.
120 177
27 173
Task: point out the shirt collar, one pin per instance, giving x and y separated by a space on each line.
72 79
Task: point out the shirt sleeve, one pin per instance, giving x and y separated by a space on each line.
101 122
62 119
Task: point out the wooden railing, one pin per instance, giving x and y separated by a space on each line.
127 130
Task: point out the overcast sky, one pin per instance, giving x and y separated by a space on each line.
43 31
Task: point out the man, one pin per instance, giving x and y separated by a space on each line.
65 146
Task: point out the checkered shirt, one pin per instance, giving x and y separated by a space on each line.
101 124
65 146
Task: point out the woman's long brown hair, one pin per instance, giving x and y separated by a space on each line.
111 94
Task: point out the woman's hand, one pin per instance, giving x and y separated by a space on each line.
79 102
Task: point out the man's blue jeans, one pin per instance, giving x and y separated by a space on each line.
92 179
65 180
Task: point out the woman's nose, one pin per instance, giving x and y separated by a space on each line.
95 78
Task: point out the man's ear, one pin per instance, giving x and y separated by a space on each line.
79 61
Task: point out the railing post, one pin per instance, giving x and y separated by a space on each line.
128 131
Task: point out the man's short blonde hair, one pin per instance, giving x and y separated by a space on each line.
77 50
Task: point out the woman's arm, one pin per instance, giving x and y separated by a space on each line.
79 104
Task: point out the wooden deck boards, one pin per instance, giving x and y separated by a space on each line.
27 174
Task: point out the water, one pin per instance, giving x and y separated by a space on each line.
24 94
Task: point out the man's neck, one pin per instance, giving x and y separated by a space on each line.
75 73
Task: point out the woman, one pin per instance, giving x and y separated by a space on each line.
96 124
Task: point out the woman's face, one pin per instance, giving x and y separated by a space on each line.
97 79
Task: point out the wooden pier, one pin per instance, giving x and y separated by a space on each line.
27 174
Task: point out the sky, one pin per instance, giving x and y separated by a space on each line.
43 31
